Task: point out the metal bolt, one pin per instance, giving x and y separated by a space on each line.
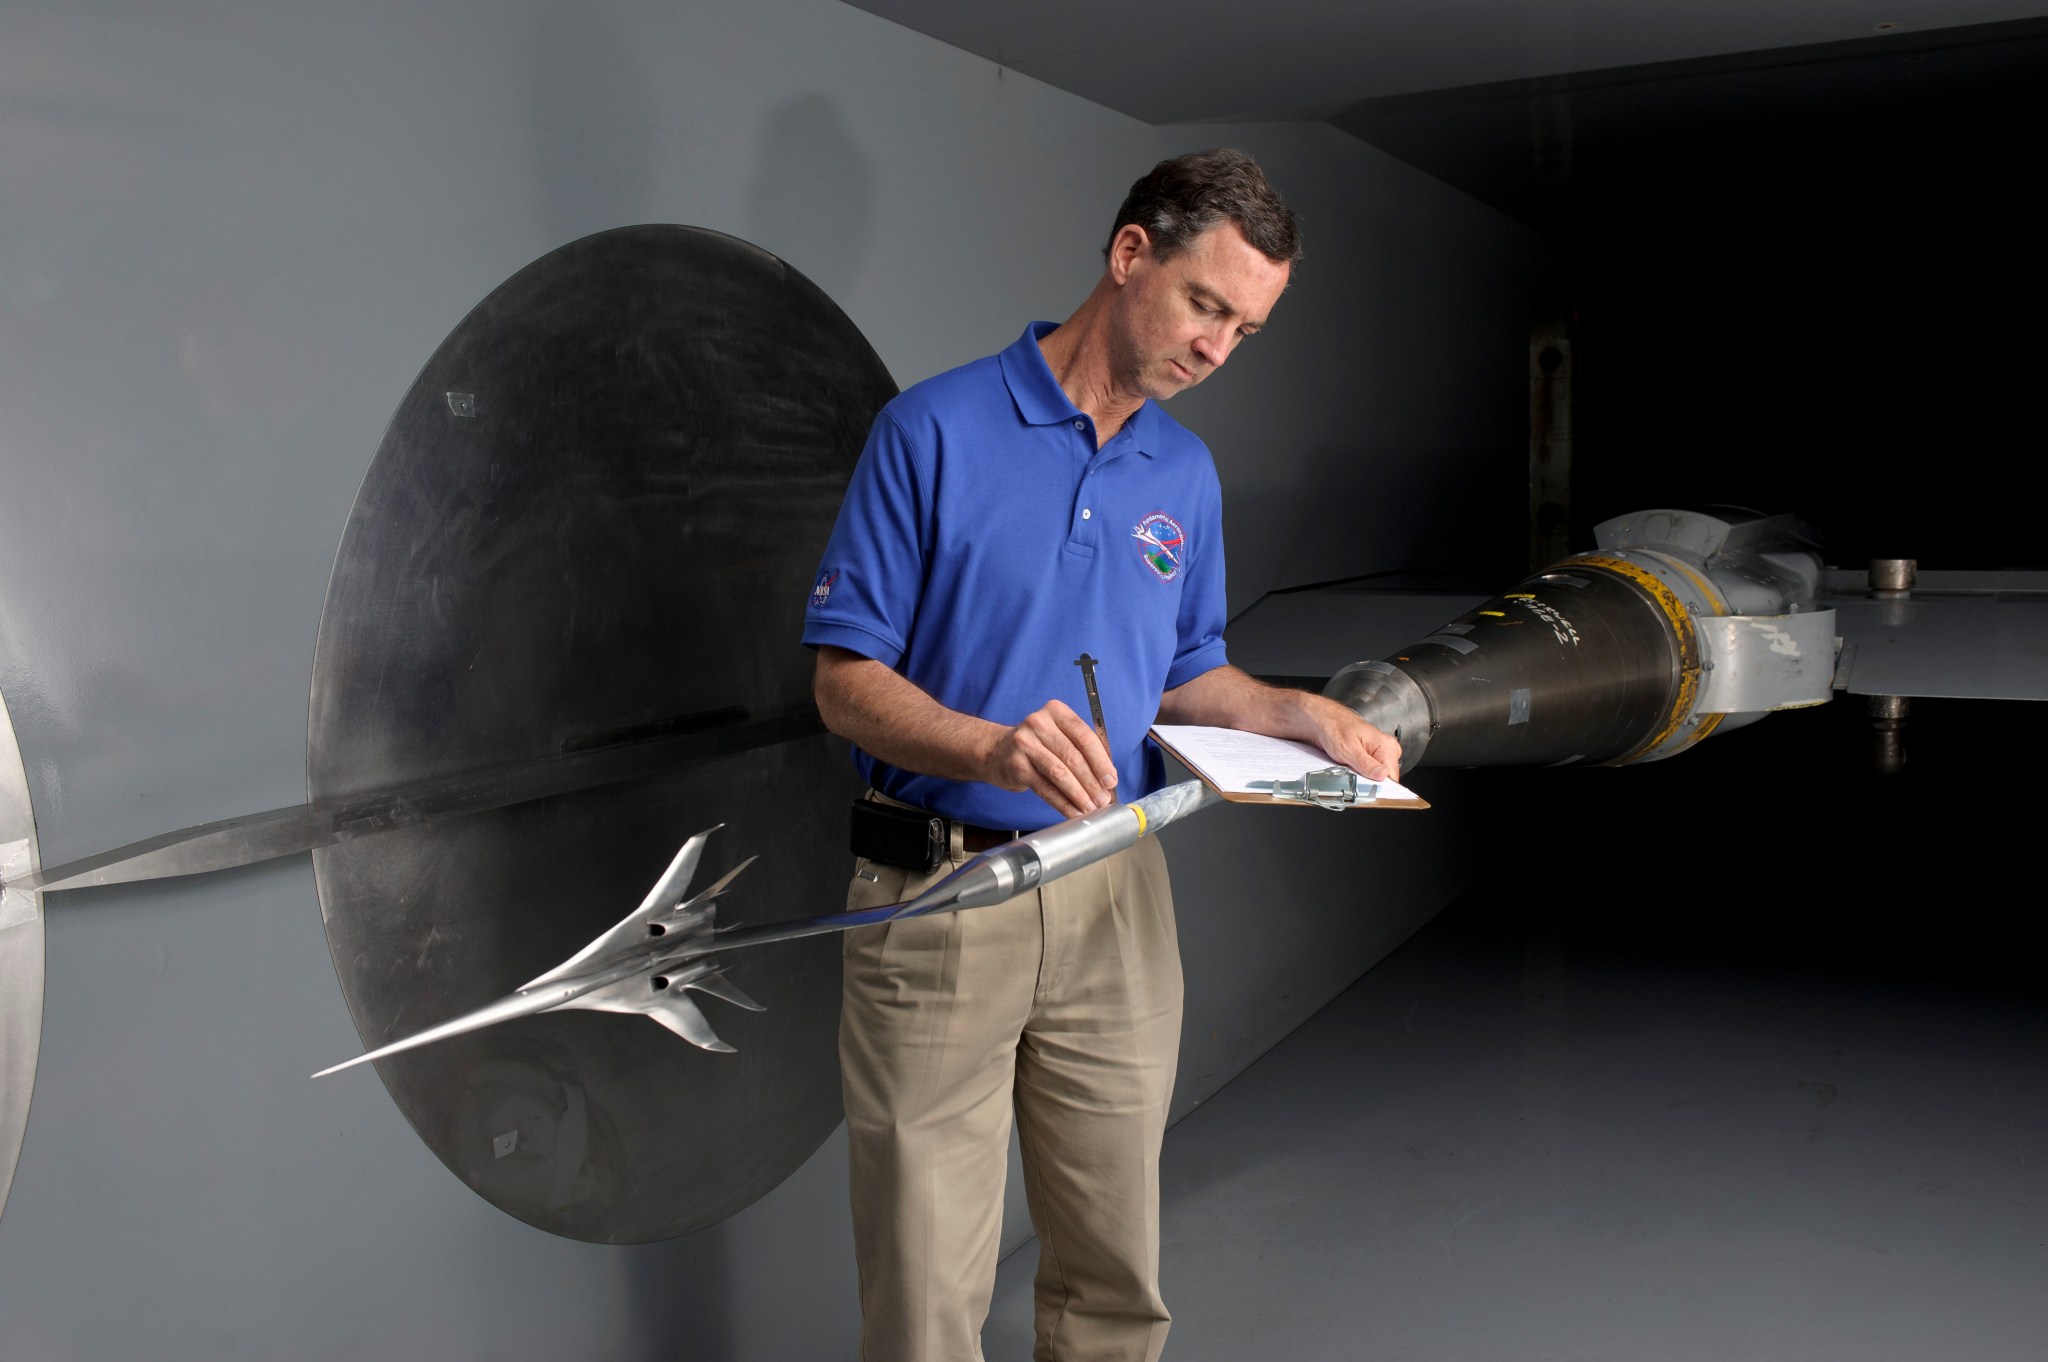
1893 578
1888 733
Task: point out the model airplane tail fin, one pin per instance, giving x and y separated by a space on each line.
699 916
676 879
651 918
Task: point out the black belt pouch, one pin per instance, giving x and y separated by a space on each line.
908 838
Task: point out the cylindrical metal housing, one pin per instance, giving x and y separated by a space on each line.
1579 663
1601 658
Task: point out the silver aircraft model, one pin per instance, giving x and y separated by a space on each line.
662 948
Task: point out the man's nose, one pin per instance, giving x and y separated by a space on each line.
1212 347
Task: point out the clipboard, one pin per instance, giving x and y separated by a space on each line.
1223 758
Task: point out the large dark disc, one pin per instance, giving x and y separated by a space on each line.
594 520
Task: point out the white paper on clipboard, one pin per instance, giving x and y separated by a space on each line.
1237 762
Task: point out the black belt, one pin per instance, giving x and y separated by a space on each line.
974 837
894 834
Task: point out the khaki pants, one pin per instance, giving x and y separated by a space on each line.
1066 1001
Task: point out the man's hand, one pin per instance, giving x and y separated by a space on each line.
1227 698
1053 753
1374 754
1057 756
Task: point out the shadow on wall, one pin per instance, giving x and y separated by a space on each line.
681 1289
593 126
812 196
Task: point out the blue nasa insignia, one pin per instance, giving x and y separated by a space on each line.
822 592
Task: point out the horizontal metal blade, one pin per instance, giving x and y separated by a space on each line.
255 837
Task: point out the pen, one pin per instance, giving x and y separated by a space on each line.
1087 666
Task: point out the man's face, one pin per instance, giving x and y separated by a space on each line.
1178 319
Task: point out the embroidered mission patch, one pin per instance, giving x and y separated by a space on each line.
1161 542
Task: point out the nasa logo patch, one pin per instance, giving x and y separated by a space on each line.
1162 544
822 592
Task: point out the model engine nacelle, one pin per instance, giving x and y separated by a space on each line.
1679 625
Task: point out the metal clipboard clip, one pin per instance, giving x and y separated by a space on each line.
1335 788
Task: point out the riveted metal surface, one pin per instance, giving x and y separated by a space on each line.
594 520
21 956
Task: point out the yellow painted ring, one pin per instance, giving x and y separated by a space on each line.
1680 618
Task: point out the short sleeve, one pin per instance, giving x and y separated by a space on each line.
1204 602
865 595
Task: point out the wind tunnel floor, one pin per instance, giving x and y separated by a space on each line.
1773 1084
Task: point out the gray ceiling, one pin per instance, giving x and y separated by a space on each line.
1523 106
1170 61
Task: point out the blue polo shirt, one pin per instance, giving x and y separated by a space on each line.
985 543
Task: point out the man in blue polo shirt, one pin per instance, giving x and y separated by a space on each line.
1005 519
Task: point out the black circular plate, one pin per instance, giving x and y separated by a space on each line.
593 522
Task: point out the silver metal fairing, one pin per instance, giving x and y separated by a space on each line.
1063 847
593 522
1168 806
21 956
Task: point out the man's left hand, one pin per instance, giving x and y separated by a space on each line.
1225 697
1371 752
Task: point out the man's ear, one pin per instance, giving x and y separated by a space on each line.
1130 244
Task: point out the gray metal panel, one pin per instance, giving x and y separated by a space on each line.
1764 662
595 518
21 956
1962 647
1853 583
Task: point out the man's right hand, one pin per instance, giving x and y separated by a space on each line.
1057 756
1053 753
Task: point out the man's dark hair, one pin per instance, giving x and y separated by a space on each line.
1181 198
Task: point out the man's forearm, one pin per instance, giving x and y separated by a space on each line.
1053 752
888 716
1225 697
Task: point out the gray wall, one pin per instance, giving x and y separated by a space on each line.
229 235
